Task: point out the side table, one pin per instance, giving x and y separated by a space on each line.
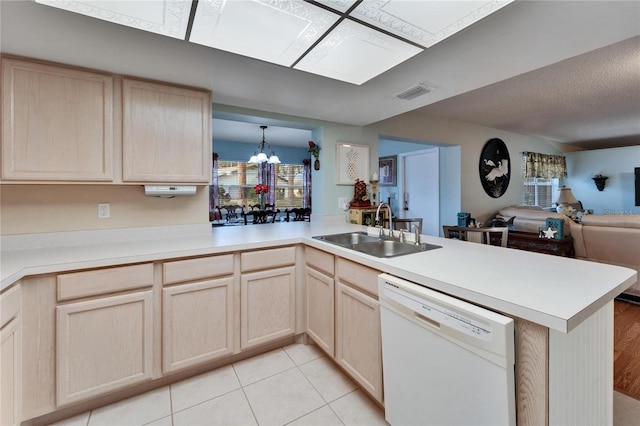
531 242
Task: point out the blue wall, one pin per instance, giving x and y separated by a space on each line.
237 151
618 165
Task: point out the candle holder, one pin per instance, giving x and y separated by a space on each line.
374 190
600 181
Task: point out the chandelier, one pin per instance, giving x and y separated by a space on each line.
260 156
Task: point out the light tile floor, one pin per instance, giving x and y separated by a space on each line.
296 385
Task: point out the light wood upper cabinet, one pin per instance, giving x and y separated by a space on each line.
166 133
57 123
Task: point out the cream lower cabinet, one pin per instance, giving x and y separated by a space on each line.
10 356
106 342
198 316
267 296
358 338
320 298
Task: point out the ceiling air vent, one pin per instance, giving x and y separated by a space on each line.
413 92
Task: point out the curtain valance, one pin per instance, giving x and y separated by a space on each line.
544 166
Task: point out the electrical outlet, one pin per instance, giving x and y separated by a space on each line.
104 211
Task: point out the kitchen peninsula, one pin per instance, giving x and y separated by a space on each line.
558 303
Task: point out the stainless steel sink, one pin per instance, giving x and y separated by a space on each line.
375 246
348 239
392 248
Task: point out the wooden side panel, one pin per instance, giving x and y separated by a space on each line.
532 373
38 345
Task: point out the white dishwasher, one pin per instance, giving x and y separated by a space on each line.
445 361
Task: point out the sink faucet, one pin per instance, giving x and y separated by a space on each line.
416 229
378 216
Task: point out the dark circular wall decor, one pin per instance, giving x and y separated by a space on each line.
495 168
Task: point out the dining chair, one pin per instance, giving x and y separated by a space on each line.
258 207
299 215
490 236
406 223
233 212
261 216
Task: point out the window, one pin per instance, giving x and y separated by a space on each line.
540 192
236 180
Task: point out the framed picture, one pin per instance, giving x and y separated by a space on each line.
352 163
387 172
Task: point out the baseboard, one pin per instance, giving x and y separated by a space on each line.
627 297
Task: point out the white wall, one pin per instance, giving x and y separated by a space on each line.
618 164
471 139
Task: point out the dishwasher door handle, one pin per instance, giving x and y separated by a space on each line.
426 320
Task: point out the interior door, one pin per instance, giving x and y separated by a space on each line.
420 189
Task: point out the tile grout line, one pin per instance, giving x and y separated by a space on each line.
253 413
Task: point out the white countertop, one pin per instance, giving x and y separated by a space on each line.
553 291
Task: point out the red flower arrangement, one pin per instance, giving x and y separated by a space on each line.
314 149
261 189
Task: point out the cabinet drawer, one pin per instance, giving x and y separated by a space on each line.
193 269
320 260
357 275
267 259
101 281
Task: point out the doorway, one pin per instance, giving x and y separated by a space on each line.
420 188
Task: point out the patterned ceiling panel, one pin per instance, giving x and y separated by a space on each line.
167 17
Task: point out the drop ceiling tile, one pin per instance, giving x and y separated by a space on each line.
166 17
273 31
339 5
425 22
355 53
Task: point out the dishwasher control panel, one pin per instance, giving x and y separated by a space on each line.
437 313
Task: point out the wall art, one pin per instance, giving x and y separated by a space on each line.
495 168
352 163
388 170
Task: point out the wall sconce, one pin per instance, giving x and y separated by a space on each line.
600 181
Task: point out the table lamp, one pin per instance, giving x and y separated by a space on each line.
564 201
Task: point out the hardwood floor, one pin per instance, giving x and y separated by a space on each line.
626 352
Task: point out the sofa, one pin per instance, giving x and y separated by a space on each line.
613 239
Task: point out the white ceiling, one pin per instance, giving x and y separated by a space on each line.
564 70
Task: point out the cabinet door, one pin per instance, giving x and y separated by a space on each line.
103 345
320 309
267 306
10 373
197 323
358 344
166 134
57 123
